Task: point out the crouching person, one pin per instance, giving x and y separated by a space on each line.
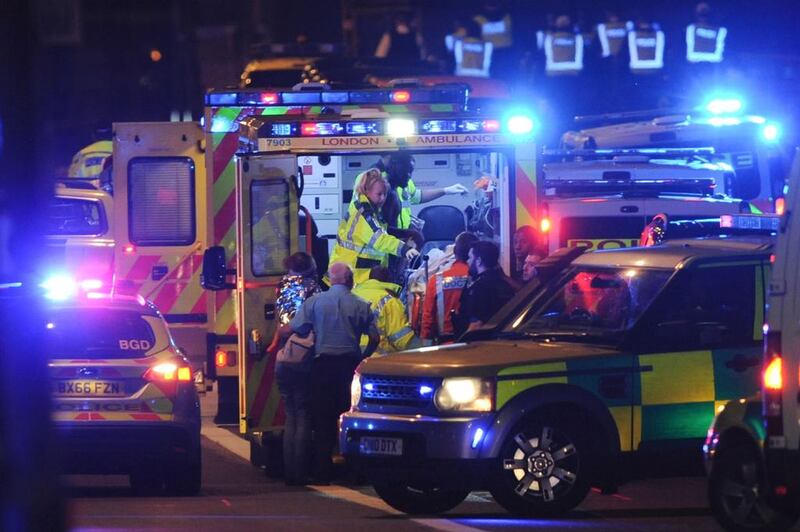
391 319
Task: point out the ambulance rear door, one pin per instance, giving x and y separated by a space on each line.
160 225
266 233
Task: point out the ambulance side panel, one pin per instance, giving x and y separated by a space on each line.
160 223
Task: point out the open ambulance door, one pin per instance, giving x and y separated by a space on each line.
266 233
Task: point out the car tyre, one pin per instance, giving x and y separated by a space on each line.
427 500
543 467
735 494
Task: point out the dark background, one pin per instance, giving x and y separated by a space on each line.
80 65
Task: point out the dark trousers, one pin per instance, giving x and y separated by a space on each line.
330 381
294 384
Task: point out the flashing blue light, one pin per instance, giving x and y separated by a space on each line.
425 390
519 125
771 133
369 386
477 436
370 426
721 106
721 121
59 287
220 124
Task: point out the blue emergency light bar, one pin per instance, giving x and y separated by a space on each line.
755 222
348 128
450 94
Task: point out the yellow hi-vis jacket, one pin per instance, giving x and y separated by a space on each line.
390 315
88 162
362 240
408 196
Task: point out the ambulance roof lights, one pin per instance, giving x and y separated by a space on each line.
754 222
366 127
321 129
269 98
771 133
403 96
520 124
723 106
400 127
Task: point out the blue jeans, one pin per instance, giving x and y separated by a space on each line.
294 384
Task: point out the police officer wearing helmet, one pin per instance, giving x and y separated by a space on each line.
362 241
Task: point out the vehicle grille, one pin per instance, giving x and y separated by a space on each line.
397 391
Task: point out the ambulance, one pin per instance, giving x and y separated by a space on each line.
749 143
275 155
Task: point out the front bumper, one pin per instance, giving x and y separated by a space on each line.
435 449
122 448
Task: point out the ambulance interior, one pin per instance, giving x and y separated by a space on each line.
329 180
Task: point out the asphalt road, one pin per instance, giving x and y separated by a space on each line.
238 497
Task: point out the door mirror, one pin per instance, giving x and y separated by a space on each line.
214 270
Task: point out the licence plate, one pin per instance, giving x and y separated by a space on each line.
385 446
89 388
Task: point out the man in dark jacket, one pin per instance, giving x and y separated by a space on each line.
488 289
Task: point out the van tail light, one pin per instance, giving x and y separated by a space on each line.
773 380
168 375
780 205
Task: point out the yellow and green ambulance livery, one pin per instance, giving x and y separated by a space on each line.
624 354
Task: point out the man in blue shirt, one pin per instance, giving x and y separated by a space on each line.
338 319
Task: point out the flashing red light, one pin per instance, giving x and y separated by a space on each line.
221 358
545 225
401 96
308 129
781 491
491 125
780 206
130 248
269 98
773 374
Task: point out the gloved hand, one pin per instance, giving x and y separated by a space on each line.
456 189
412 254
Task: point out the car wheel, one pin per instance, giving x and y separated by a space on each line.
736 494
543 468
187 479
146 482
420 500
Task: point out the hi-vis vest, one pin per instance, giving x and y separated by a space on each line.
613 36
473 57
390 315
646 48
497 32
362 241
408 196
442 298
705 44
89 161
563 52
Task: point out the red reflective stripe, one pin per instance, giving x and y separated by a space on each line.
224 153
200 306
146 417
262 394
82 417
167 296
142 268
526 191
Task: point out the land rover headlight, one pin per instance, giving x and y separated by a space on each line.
355 391
466 394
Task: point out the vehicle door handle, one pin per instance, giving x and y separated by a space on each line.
741 363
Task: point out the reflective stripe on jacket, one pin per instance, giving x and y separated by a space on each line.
390 315
563 52
362 240
473 57
705 44
442 298
646 48
497 32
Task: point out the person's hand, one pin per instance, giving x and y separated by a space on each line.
411 243
458 188
412 254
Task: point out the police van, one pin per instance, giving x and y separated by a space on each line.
624 356
750 144
601 199
79 233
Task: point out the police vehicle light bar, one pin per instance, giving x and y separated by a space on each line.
452 94
756 222
719 106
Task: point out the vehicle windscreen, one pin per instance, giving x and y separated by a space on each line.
593 302
75 216
98 334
